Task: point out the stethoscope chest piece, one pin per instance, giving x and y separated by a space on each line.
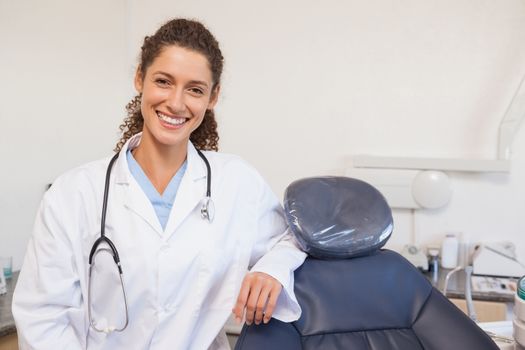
207 209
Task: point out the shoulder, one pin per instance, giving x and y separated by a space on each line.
79 180
236 177
85 173
233 167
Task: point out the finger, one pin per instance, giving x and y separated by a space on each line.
241 299
261 302
272 301
253 297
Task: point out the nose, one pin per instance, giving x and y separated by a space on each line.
175 101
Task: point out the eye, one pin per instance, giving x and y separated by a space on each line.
162 82
197 91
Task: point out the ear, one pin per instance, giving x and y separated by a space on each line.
214 97
139 81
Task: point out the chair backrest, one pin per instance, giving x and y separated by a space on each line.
373 301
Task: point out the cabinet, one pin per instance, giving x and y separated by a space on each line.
9 342
486 311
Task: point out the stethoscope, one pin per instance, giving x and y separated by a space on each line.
207 212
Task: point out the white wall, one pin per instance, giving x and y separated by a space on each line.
63 85
306 84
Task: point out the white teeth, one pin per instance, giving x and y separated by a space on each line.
169 120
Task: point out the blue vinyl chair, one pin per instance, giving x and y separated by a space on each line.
353 294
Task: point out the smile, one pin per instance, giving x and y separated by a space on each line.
171 120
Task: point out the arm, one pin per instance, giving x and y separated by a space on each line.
268 289
47 299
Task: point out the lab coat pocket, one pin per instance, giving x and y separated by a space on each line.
220 275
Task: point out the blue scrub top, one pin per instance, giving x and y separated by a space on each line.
161 203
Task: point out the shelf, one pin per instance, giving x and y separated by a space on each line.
445 164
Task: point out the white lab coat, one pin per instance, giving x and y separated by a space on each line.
181 283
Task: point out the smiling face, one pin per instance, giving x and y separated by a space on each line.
177 89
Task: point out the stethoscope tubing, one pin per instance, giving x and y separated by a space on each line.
103 237
208 173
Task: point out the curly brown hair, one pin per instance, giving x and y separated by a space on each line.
188 34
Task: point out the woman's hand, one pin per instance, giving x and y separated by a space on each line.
259 292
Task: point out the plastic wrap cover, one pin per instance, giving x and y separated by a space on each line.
337 217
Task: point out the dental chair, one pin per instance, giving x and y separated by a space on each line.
353 294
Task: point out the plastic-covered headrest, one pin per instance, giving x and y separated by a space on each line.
337 217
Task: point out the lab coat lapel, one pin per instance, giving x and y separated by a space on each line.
129 191
190 193
137 201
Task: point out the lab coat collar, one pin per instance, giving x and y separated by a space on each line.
195 168
190 193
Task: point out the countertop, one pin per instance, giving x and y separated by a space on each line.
7 322
456 287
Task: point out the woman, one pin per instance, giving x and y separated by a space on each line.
183 267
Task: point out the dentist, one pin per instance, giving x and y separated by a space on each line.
182 223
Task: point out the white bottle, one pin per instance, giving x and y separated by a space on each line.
518 323
3 289
449 251
464 253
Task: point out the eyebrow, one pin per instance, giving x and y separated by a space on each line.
196 82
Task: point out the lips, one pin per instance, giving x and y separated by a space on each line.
171 120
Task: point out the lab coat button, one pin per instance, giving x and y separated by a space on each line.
164 247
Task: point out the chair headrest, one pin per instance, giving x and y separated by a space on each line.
337 217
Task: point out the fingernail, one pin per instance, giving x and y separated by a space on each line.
266 320
238 320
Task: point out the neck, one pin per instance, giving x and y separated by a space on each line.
159 162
